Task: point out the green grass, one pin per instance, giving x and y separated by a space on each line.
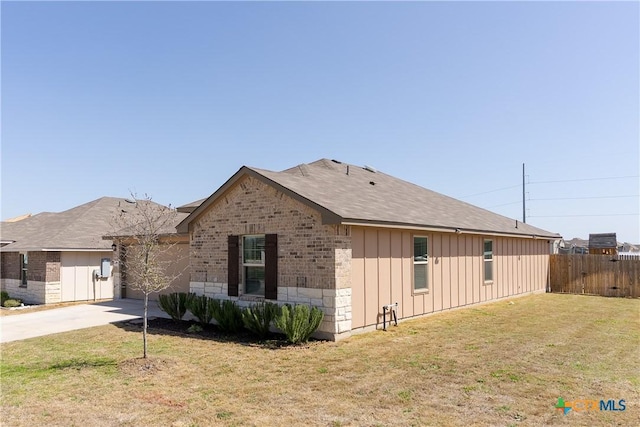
499 364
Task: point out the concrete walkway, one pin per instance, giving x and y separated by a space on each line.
28 325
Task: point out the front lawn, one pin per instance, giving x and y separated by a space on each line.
504 363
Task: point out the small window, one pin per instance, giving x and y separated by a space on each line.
24 267
420 263
488 260
253 256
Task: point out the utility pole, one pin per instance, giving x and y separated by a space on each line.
524 206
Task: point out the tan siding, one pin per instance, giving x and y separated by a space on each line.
462 297
478 270
383 260
406 308
446 272
396 267
358 277
178 270
468 262
371 276
455 259
436 265
384 267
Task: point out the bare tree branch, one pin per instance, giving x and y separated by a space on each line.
147 231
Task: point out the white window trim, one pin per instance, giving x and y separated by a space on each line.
485 261
414 263
250 264
262 255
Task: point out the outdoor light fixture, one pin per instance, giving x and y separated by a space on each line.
114 247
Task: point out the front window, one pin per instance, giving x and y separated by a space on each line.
488 260
253 264
24 264
420 263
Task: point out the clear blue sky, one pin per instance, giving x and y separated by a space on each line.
171 99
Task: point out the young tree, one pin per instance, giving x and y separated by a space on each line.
147 229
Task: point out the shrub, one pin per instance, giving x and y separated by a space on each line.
12 303
4 295
298 322
258 317
194 329
228 315
174 304
201 306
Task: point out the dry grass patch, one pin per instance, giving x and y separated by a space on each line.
498 364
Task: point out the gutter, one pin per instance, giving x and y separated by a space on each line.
444 229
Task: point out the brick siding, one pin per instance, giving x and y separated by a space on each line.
10 265
309 253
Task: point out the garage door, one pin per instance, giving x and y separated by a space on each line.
77 281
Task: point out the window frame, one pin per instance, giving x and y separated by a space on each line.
487 261
252 264
24 269
424 262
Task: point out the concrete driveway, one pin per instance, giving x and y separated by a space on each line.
28 325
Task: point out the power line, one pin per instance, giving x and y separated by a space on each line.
567 216
552 182
586 198
585 179
504 204
491 191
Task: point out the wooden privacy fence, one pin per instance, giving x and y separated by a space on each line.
606 275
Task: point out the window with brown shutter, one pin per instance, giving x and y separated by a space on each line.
233 265
271 267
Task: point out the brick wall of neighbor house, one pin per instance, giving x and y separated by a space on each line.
37 269
313 259
52 266
43 277
10 265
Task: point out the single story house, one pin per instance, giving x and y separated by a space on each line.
351 240
603 244
61 257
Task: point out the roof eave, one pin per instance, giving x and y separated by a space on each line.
444 229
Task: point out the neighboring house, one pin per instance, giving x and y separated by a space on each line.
60 257
603 244
351 240
574 246
628 248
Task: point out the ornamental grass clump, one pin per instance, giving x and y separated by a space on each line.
298 322
174 304
227 315
258 318
201 306
4 295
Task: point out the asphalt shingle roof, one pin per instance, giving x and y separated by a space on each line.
603 240
81 227
353 194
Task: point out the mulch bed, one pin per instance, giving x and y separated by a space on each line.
162 325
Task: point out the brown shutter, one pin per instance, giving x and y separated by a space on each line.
233 252
271 266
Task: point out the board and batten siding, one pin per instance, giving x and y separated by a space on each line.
382 271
